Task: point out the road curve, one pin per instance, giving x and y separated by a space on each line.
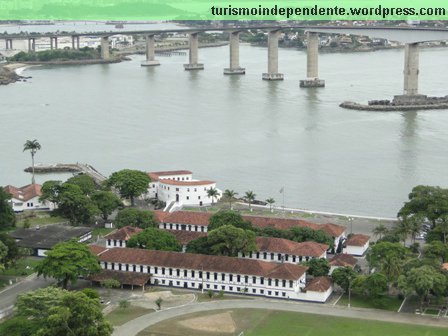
135 326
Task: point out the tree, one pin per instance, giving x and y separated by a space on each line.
375 285
380 230
159 303
75 206
109 284
422 281
318 267
155 239
106 202
7 216
19 326
124 304
270 201
135 217
13 251
130 183
250 198
228 217
50 191
199 246
303 234
3 254
344 277
59 312
66 262
388 258
437 250
212 193
33 146
229 196
402 229
229 240
83 181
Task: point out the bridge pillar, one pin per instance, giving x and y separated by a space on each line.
8 44
53 42
272 73
312 68
75 42
150 52
105 54
234 46
411 69
193 55
31 44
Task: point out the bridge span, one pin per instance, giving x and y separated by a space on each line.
410 36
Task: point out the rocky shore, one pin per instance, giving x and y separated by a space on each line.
400 103
8 75
78 62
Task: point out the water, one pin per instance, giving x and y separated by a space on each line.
246 133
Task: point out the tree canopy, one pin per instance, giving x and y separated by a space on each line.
67 261
228 217
130 183
344 277
56 312
7 216
13 252
74 205
388 258
318 267
229 240
199 246
84 182
155 239
135 217
106 202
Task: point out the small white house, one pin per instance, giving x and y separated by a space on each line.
180 188
357 244
27 198
342 260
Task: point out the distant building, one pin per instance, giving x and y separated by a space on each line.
119 238
27 198
357 244
180 188
41 240
342 260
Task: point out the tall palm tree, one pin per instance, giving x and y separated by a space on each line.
33 146
270 201
380 231
403 229
212 193
250 197
229 195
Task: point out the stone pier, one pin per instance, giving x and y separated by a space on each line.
234 47
150 52
273 73
411 69
75 42
31 44
193 55
312 68
53 42
105 54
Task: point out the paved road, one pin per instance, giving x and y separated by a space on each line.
9 295
135 326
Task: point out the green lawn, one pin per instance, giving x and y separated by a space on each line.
386 302
39 218
23 267
259 322
100 232
120 316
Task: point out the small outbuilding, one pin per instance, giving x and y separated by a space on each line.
357 244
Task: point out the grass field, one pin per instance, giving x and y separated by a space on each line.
387 302
257 322
23 267
40 218
120 316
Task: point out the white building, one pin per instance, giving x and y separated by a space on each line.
27 198
217 273
119 238
342 260
357 244
179 187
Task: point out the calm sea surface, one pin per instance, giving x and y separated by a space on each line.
245 133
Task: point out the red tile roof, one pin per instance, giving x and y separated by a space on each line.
97 250
280 245
125 278
202 219
319 284
155 175
357 240
204 262
184 237
125 233
24 193
186 183
343 260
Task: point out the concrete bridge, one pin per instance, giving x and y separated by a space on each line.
410 36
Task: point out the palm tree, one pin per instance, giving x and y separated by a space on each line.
270 201
212 193
403 229
33 146
250 197
380 231
229 195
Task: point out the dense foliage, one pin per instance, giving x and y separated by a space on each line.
7 217
155 239
56 55
130 183
135 217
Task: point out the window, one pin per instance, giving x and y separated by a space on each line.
269 282
178 283
208 275
265 255
192 284
188 197
258 255
207 285
177 189
250 254
238 278
254 280
279 256
272 256
223 276
254 290
230 288
246 279
215 276
163 270
290 283
155 270
185 273
199 197
163 281
170 271
230 277
215 286
177 272
293 258
276 293
286 257
188 189
283 283
269 293
153 185
223 287
276 282
192 274
283 294
261 291
195 190
200 274
141 269
262 281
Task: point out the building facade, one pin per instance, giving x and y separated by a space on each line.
27 198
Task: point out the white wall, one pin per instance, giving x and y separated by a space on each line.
188 195
32 204
356 250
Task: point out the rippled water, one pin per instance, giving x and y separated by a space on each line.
244 132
